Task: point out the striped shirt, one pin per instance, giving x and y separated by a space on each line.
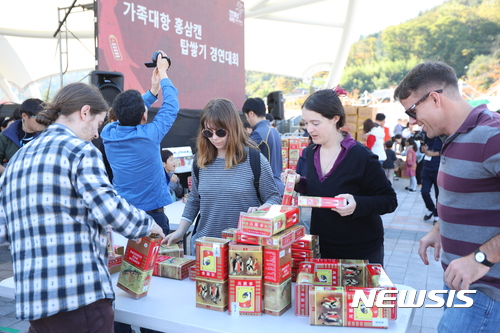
221 194
55 202
469 192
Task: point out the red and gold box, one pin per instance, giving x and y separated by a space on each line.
268 222
143 255
115 261
293 154
277 297
363 316
306 253
280 240
289 190
284 163
326 305
173 267
294 143
327 273
284 152
321 202
304 142
245 296
301 302
114 265
133 280
376 277
172 250
229 233
277 264
353 273
297 261
292 164
306 242
292 213
331 306
192 273
212 258
212 294
284 142
245 260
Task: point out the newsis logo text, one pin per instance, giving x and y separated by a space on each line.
412 298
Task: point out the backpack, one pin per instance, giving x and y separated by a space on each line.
254 156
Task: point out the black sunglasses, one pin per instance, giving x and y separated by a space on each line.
210 133
411 110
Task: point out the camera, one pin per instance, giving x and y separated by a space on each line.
154 57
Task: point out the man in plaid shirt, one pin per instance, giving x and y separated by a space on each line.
55 203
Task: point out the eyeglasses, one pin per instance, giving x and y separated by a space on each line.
209 133
411 110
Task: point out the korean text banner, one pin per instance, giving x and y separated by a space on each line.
203 38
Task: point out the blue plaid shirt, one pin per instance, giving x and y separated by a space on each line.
56 201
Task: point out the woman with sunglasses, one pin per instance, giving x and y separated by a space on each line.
225 186
338 166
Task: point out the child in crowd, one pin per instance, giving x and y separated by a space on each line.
388 164
411 164
176 190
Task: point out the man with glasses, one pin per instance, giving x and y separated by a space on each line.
469 193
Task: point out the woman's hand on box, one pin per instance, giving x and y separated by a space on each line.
173 238
347 209
288 172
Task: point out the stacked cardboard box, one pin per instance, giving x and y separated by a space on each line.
284 153
228 233
351 120
212 273
304 249
259 261
291 150
364 112
173 250
325 289
245 279
115 259
138 264
173 267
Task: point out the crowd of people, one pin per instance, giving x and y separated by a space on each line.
59 191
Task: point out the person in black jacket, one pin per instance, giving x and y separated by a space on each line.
339 166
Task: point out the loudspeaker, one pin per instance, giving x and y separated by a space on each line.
109 83
275 105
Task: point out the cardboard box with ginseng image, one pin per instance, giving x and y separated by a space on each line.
212 258
277 297
137 266
245 260
212 294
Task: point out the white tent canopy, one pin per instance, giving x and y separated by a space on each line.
288 37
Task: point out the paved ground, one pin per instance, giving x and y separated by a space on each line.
403 230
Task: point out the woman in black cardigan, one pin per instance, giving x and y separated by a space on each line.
339 166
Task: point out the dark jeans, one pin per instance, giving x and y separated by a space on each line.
418 172
162 221
96 317
428 180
